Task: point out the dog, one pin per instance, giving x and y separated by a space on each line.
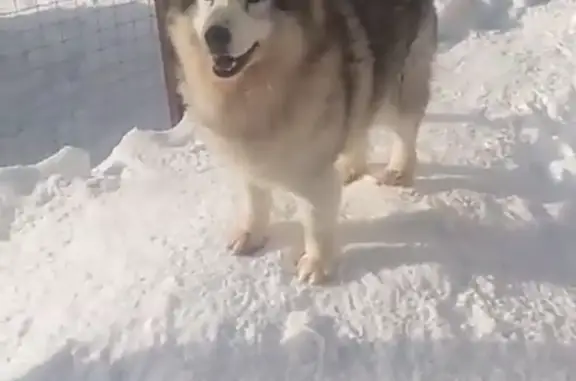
286 92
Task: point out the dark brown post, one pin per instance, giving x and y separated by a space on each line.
168 60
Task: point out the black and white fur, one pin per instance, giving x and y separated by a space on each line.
287 91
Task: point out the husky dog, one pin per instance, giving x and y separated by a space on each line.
287 90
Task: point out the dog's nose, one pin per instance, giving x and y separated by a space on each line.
218 38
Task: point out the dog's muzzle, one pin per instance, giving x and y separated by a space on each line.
226 66
218 39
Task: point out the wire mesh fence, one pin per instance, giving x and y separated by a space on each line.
77 72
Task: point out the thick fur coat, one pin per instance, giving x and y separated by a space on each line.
286 91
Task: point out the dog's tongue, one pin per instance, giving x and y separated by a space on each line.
224 62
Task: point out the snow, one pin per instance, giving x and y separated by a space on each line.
112 260
90 73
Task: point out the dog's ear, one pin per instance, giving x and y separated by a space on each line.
292 5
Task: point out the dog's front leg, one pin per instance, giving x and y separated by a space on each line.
251 234
320 205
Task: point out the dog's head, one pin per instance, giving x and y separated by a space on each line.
236 33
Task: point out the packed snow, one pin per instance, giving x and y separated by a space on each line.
112 255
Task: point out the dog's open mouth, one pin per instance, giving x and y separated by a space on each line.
226 66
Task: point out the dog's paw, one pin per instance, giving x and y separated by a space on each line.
313 270
395 178
349 173
350 177
245 243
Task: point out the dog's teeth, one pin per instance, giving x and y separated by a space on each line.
225 62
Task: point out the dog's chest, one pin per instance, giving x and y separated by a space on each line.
276 127
277 145
263 152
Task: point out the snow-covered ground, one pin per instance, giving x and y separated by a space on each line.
117 271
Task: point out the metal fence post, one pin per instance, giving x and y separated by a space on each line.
175 106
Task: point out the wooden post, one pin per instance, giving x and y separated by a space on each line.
175 106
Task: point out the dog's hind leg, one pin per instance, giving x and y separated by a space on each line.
251 235
403 157
406 108
352 162
320 202
406 105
